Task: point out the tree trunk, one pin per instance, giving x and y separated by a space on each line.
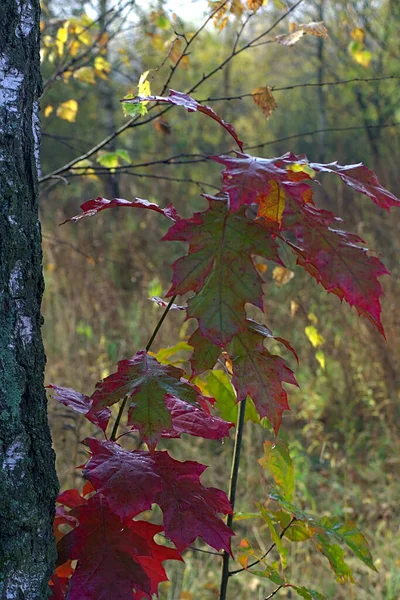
28 483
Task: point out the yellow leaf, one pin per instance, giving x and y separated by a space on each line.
254 5
48 110
314 336
282 276
144 85
358 34
74 48
272 205
85 74
362 57
261 267
302 168
320 356
62 33
68 110
101 64
264 99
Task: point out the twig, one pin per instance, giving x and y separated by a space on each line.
272 594
149 344
303 85
232 493
272 546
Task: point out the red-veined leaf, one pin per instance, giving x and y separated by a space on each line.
219 268
81 404
92 207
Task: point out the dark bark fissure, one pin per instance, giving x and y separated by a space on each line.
28 483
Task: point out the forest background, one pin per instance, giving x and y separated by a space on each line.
100 274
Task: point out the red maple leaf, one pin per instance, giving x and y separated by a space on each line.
190 510
81 404
159 396
110 552
219 267
259 374
361 179
92 207
336 259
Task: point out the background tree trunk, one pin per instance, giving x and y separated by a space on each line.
28 483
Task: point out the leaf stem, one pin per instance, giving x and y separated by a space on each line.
272 546
149 344
232 493
160 322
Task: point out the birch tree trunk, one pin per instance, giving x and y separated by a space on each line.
28 483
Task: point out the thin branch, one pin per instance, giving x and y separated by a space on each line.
149 344
316 131
232 493
204 551
272 594
272 546
187 44
134 121
304 85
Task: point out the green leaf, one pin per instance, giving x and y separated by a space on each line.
219 268
335 554
110 160
298 530
277 461
220 387
124 154
351 536
270 573
205 353
274 534
164 354
307 593
131 110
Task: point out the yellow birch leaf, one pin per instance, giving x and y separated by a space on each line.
68 110
48 110
101 64
358 34
282 276
314 336
272 205
85 74
264 99
254 5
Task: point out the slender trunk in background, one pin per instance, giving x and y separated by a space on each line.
28 482
107 101
321 89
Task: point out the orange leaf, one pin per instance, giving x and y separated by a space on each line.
264 99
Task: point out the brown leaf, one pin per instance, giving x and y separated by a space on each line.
161 124
254 5
290 39
264 99
316 28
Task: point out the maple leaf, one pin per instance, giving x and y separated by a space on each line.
160 397
361 179
81 404
220 268
205 353
189 509
92 207
337 261
127 479
272 205
107 553
191 105
259 374
246 178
